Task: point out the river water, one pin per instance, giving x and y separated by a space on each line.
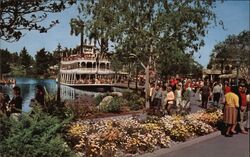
27 86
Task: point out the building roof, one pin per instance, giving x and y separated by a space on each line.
211 72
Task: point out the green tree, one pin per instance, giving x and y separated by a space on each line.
36 135
150 29
116 65
17 16
77 27
14 58
5 61
57 53
42 58
233 48
25 59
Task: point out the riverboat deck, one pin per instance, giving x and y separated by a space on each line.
103 87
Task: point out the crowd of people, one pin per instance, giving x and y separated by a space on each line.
233 99
13 107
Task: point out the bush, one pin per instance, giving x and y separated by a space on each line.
127 94
35 135
98 99
82 107
56 109
136 102
113 106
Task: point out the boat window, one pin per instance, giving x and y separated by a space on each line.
89 65
83 65
102 65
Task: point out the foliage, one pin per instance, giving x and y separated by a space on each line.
99 98
17 65
82 108
24 64
43 60
17 16
34 135
25 59
134 101
137 27
114 106
77 27
5 61
233 48
58 110
178 63
116 64
18 70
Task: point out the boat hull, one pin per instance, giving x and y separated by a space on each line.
92 87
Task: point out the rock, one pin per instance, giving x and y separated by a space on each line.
119 94
106 100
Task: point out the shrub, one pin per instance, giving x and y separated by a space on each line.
135 102
82 107
127 94
35 135
98 99
113 106
56 109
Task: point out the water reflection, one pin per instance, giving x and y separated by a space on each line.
27 86
69 93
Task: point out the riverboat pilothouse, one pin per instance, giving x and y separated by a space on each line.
89 69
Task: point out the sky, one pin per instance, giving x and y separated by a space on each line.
234 14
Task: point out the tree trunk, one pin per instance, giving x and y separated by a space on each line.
129 75
136 81
147 89
1 76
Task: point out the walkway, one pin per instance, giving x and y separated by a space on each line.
220 146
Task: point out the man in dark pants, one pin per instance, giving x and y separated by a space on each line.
156 98
217 91
205 93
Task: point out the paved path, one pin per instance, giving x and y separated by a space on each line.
220 146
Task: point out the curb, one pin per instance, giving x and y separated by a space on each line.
165 151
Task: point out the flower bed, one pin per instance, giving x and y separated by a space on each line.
130 136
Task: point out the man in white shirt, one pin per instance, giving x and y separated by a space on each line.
217 91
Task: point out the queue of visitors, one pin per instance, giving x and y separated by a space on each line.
176 93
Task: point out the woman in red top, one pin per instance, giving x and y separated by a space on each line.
227 89
243 107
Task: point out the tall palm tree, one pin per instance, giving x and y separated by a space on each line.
77 27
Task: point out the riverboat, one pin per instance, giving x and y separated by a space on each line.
7 81
90 69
